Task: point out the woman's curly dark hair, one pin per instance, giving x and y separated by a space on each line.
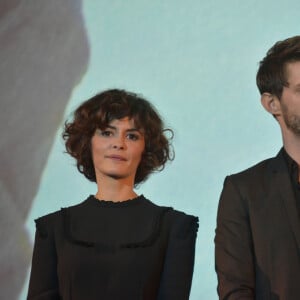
105 107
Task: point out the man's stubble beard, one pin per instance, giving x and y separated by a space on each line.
292 121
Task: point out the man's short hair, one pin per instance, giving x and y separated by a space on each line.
271 75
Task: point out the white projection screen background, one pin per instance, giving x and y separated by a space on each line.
196 61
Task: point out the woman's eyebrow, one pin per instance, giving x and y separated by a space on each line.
129 129
133 129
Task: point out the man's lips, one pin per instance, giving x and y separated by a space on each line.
116 157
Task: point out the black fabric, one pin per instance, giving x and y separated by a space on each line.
106 250
294 175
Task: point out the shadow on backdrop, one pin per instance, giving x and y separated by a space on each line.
43 55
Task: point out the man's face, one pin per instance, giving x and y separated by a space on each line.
290 99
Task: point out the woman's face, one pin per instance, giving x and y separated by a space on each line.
117 150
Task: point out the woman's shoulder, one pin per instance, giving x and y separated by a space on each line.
179 214
174 213
178 221
182 225
56 216
50 223
182 217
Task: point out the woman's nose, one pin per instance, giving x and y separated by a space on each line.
118 146
118 143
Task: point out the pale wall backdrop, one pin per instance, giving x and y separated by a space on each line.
197 62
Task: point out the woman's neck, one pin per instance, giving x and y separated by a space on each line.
115 190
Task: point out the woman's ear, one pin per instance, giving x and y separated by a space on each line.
271 104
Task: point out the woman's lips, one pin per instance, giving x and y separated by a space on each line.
117 157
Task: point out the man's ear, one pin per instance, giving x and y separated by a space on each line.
271 104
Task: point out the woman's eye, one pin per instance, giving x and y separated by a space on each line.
106 133
132 136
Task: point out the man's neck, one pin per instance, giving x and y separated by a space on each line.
292 147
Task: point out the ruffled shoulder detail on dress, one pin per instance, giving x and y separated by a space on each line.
45 224
190 227
41 228
184 225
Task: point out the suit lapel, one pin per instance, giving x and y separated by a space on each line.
282 182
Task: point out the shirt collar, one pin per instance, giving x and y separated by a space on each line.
291 164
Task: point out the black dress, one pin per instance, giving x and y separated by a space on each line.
113 250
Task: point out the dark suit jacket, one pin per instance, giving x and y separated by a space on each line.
257 242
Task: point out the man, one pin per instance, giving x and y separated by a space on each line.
257 243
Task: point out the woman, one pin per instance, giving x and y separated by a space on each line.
115 244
